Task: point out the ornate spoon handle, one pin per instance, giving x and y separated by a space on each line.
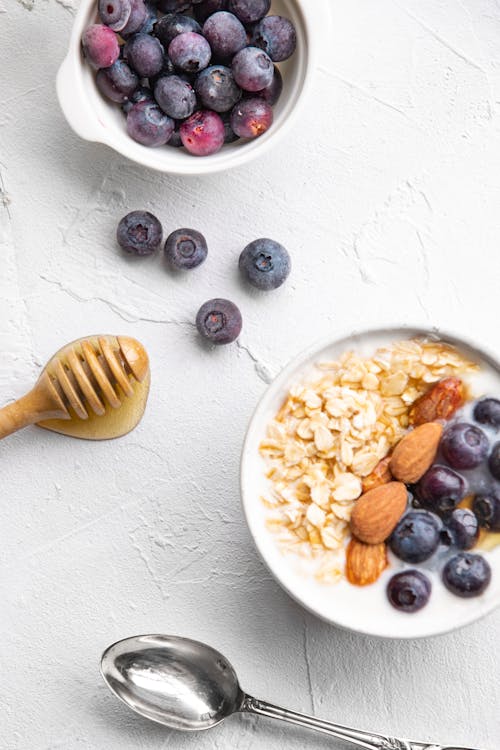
365 740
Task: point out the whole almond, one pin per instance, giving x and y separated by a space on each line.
415 453
380 475
377 512
365 562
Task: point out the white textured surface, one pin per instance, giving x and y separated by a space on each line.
388 196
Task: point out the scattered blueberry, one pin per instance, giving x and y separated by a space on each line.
175 97
117 82
253 69
148 125
494 461
467 575
265 264
203 133
219 321
115 13
172 25
144 54
186 249
416 537
139 233
440 489
487 411
100 46
272 92
276 36
225 33
409 591
464 446
249 11
216 88
251 118
190 52
463 528
487 509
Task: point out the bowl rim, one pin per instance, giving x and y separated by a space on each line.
300 361
78 111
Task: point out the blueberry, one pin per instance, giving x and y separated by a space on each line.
115 13
174 6
147 124
440 489
190 52
216 88
144 54
487 411
276 36
141 94
251 118
265 264
205 8
140 233
219 321
467 575
229 134
100 46
249 11
186 249
253 69
167 69
173 24
151 19
138 17
117 82
494 461
203 133
416 537
225 33
464 446
463 528
175 97
272 93
487 509
175 139
409 591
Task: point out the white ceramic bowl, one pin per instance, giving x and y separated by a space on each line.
96 119
365 610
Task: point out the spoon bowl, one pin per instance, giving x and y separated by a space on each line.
177 682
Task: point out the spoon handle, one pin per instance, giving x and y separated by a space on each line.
366 740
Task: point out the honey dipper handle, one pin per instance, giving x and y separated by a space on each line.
21 413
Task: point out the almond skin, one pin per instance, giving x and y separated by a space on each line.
415 453
380 475
365 563
378 511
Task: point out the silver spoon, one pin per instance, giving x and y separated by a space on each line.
189 686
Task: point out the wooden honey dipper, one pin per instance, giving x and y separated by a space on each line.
94 388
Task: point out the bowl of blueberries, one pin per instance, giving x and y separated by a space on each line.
189 86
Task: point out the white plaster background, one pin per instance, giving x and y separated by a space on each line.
388 195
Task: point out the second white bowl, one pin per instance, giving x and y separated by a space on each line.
94 118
